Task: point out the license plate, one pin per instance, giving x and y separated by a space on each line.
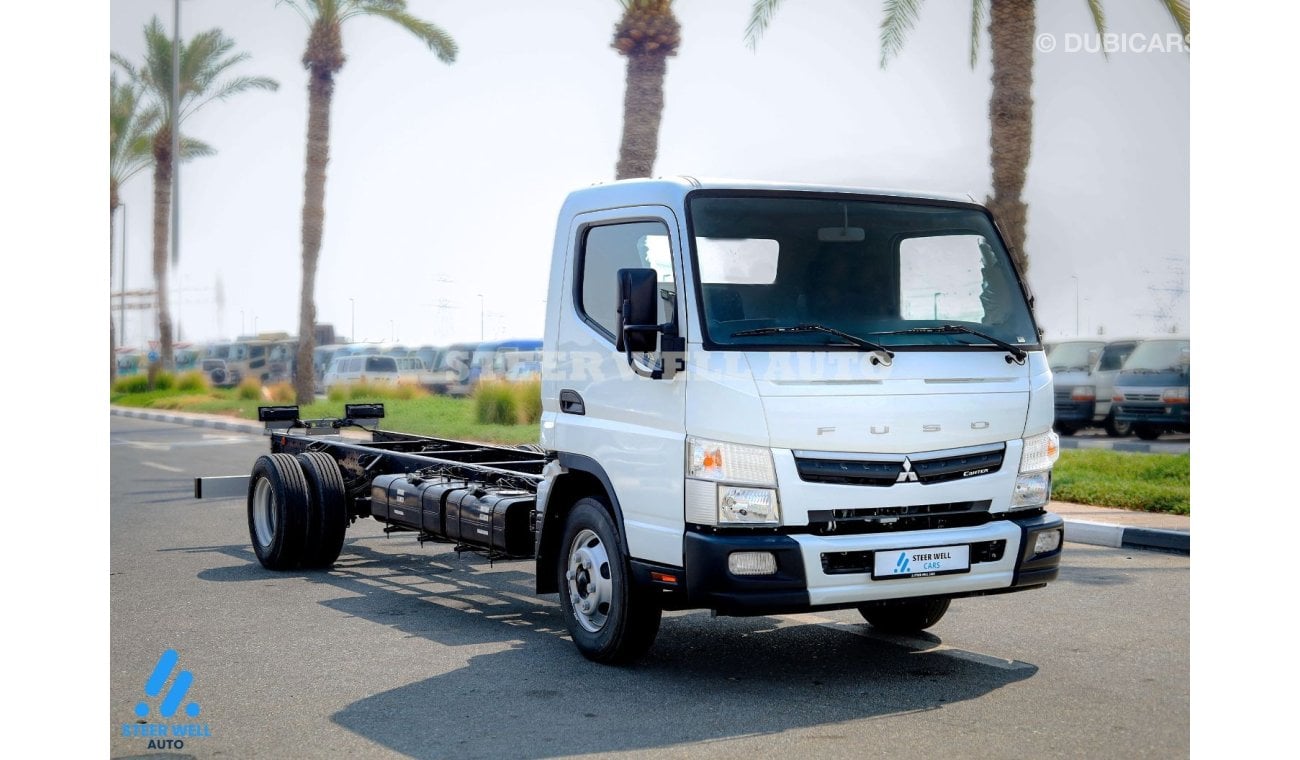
919 563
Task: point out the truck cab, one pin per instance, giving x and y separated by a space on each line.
1153 391
1083 375
763 398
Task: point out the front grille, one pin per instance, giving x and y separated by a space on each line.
1141 396
938 469
841 522
1144 411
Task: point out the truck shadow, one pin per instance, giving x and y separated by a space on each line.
535 696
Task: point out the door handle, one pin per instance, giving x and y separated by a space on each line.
571 402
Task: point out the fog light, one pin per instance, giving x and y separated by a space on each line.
1047 542
751 563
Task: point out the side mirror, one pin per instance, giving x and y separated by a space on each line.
638 332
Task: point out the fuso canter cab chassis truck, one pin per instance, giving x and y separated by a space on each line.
757 399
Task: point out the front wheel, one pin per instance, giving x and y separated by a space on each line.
1147 432
1066 428
609 620
904 615
1117 429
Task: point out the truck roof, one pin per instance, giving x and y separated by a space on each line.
671 191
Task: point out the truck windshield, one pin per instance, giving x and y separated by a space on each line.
1067 356
1156 355
873 268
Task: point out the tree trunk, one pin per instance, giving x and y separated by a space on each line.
643 106
112 326
162 204
321 93
1011 28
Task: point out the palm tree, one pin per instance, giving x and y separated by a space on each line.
129 152
1011 31
204 63
647 33
324 58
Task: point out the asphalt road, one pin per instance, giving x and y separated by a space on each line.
402 650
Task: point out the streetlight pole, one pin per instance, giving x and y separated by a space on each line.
481 318
1075 277
353 336
936 306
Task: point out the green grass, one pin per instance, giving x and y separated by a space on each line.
1128 480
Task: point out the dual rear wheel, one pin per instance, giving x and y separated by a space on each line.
297 511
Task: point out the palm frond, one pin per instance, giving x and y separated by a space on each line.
1099 21
228 88
1181 13
129 131
192 148
900 17
438 40
976 29
760 17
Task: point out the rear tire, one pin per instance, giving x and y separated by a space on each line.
609 620
1117 429
327 519
278 504
1147 432
1066 428
904 615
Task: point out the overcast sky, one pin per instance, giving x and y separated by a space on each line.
444 181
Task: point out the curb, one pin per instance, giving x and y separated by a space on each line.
1119 536
1076 531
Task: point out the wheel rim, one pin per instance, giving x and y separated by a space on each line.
591 589
264 512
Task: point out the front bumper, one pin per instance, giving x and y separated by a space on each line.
1160 414
810 574
1076 412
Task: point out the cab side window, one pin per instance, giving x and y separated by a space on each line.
1112 358
608 248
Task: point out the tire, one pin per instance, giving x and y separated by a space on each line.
278 506
904 615
1115 428
536 448
218 377
1066 428
609 621
327 518
1147 432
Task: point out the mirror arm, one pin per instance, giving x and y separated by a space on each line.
656 374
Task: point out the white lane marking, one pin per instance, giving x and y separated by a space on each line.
924 646
168 468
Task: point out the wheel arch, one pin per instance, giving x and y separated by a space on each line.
581 477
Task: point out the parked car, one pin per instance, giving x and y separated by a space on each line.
1083 377
370 368
1153 391
452 369
494 359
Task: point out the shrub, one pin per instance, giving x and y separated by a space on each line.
164 381
131 384
337 394
250 389
282 393
528 396
192 382
494 404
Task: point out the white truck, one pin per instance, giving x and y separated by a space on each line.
757 399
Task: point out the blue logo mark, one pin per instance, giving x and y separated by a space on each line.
180 686
903 563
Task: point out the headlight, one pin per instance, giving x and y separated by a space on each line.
1083 393
1176 396
729 462
1032 490
1040 452
730 484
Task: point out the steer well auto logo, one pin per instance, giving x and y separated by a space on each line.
165 697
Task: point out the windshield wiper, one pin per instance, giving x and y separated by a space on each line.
1016 352
879 354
